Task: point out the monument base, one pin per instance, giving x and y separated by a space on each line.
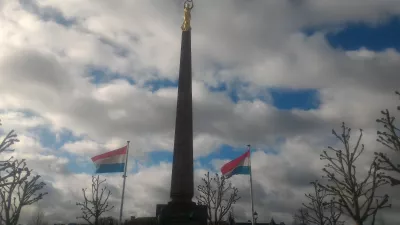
181 213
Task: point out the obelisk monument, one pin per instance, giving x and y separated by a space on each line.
181 209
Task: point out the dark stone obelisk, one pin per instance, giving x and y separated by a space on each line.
181 209
182 166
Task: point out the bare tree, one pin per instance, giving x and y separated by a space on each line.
301 217
6 167
389 137
218 195
11 168
93 206
316 205
333 213
18 191
38 217
231 217
319 210
8 140
354 197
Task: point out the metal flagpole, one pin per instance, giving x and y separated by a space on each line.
123 185
251 188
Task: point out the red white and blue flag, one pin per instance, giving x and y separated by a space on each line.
111 162
240 165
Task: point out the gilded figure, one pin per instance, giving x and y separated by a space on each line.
187 16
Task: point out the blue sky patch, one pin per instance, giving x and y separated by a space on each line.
375 38
75 165
48 138
354 36
156 157
286 99
103 76
282 98
223 87
156 85
238 90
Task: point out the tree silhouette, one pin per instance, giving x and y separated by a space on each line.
316 206
218 195
301 217
319 210
6 167
231 217
96 204
333 214
389 137
38 218
7 141
353 196
18 191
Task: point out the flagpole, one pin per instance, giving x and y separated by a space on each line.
123 185
251 188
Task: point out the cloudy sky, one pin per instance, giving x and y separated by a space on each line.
79 78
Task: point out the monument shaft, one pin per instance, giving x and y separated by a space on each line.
181 209
182 168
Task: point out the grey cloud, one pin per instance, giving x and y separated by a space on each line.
30 67
299 177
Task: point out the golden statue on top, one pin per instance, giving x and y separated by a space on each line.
188 6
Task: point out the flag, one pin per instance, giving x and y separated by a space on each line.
240 165
111 162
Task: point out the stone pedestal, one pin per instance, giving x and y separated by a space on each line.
182 213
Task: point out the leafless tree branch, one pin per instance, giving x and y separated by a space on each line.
218 195
17 191
301 217
7 141
38 218
352 196
7 165
389 137
319 210
95 205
